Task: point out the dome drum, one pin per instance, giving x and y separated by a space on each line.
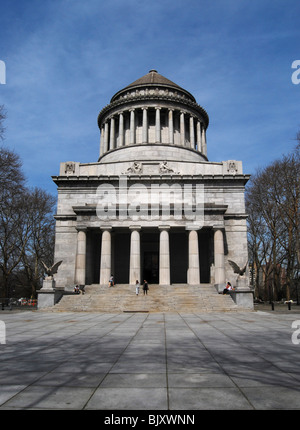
153 110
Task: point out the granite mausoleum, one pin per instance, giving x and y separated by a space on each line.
152 207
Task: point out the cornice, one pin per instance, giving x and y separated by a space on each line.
133 97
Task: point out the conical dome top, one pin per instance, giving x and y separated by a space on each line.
152 79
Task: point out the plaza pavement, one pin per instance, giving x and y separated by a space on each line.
150 362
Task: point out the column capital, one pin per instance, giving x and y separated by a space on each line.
106 227
135 227
192 227
164 227
81 228
218 227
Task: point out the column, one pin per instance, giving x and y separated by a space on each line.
105 137
105 261
192 133
145 126
199 138
219 259
102 141
164 256
157 125
80 264
171 126
203 146
121 129
193 277
182 129
135 255
132 127
112 134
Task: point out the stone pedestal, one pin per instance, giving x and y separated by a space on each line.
242 283
49 295
243 298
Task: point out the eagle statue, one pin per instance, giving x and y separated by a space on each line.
52 269
237 269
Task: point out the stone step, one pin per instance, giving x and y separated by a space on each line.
122 298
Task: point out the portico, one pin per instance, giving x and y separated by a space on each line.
163 255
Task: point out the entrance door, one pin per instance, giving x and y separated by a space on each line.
151 267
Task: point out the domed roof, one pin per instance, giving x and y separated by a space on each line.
153 78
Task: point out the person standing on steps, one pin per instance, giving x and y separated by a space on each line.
111 282
137 287
145 287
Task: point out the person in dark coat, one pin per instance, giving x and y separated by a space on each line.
145 287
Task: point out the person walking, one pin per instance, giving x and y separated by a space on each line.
137 287
145 287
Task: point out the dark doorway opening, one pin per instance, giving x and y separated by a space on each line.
204 239
121 257
150 256
178 257
151 267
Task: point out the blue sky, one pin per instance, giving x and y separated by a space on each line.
65 59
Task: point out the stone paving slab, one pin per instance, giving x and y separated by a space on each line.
150 362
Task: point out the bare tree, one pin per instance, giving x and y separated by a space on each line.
272 201
2 118
40 244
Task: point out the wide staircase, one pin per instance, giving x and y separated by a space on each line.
122 298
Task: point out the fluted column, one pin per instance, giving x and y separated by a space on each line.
182 129
199 136
105 261
194 266
157 125
145 126
121 129
192 133
135 255
80 265
171 126
203 147
112 133
164 256
105 137
102 141
219 259
132 127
